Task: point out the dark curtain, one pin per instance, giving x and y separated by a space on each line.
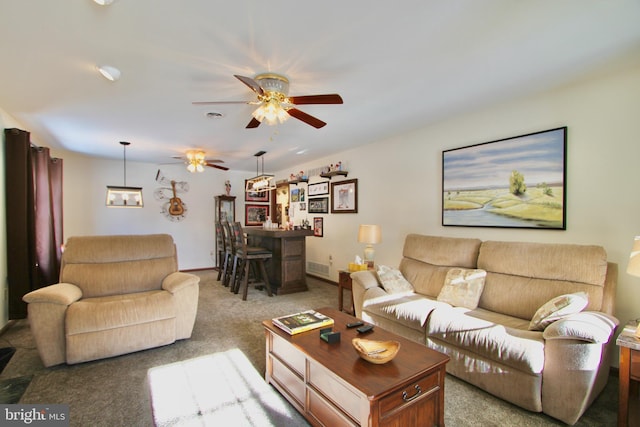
33 192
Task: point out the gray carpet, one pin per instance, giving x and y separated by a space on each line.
113 392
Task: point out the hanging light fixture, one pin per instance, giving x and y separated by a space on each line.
261 182
195 160
274 101
123 196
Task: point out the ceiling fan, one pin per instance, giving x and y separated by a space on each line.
196 161
274 104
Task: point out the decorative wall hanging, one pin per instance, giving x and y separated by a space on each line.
319 205
318 226
344 196
173 208
318 189
516 182
255 214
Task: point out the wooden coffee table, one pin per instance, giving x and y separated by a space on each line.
332 386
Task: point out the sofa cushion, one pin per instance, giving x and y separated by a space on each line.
557 308
522 276
412 310
392 280
491 335
118 311
463 287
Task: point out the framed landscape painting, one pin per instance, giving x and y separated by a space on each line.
516 182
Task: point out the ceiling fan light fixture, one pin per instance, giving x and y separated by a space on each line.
103 2
272 112
109 72
196 160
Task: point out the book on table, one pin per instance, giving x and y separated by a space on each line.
302 322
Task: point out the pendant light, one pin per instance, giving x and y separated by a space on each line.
123 196
262 182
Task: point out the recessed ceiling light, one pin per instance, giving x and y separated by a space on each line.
104 2
108 72
214 115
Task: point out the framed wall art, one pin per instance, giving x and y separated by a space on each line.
255 214
255 196
318 226
319 189
319 205
344 196
516 182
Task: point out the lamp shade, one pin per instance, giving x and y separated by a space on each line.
634 259
371 234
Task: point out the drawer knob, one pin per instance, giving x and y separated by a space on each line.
408 398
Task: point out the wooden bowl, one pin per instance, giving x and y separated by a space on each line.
378 352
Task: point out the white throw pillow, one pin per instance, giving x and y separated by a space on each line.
463 287
392 280
557 308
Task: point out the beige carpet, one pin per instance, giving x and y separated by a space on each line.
114 392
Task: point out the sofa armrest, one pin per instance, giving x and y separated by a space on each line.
178 280
60 293
589 326
360 282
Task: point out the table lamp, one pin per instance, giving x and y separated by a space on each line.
634 266
371 234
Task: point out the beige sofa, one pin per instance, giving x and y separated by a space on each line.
117 294
558 371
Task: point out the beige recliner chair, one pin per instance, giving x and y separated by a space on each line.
117 294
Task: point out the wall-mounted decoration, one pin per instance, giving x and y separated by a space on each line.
173 208
295 195
303 206
318 189
344 196
516 182
255 214
319 205
256 196
318 226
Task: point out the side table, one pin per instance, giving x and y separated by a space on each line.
344 282
629 370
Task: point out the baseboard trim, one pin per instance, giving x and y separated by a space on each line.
323 279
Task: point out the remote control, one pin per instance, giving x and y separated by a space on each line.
354 324
363 329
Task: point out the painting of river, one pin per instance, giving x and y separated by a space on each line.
516 182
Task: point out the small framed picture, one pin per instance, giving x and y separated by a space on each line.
344 196
319 205
318 226
318 189
255 214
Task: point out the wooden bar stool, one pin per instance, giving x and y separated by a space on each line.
221 255
229 254
244 257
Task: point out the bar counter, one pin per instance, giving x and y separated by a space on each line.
287 269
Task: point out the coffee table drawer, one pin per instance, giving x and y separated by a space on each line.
289 354
335 390
289 381
406 395
326 413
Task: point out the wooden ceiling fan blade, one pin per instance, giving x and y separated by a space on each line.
254 123
308 119
213 165
253 85
332 98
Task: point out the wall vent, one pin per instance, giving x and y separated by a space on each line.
317 268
